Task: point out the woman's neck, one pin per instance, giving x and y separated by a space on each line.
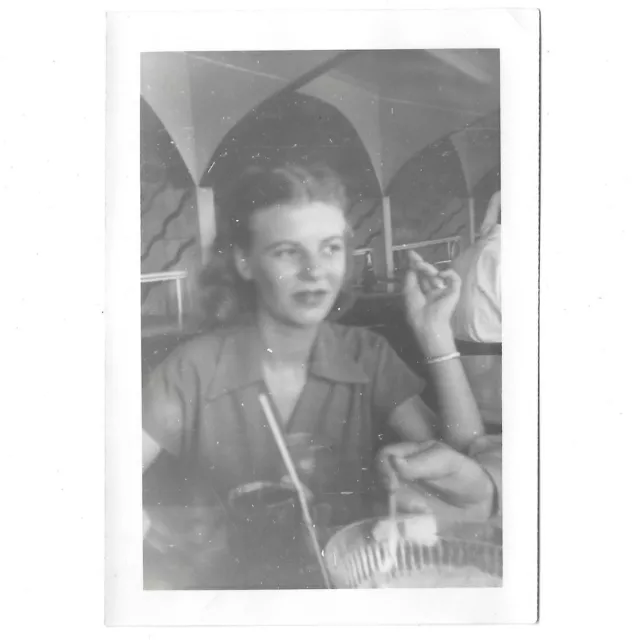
285 344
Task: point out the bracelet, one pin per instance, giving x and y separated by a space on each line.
450 356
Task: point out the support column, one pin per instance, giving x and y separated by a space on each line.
472 220
388 241
180 309
206 220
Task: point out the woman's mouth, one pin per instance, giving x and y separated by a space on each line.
310 299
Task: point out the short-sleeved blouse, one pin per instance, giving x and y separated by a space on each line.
203 399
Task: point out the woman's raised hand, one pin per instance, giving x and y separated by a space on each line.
431 296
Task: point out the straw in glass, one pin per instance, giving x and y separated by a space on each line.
291 469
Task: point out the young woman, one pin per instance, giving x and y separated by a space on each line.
280 267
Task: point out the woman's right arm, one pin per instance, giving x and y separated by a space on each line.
168 400
150 451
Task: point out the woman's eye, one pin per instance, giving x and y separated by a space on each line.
332 249
288 252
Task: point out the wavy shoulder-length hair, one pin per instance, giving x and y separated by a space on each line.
225 294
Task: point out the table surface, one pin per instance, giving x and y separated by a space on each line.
296 568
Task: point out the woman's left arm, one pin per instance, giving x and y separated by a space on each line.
431 297
460 417
413 421
397 398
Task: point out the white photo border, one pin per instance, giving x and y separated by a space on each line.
516 34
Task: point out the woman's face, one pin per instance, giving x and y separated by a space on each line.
297 261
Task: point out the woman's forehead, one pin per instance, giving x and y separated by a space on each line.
298 223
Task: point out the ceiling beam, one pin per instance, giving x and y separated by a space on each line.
314 73
458 61
289 88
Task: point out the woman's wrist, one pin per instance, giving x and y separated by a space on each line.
436 341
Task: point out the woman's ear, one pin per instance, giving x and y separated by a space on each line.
242 264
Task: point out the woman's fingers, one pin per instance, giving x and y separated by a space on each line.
414 294
413 502
448 475
423 267
405 448
420 264
424 279
426 271
386 458
409 500
452 279
392 459
411 284
436 462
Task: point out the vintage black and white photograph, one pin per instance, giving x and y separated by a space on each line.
276 359
321 319
320 325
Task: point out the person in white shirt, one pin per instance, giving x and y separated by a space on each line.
477 321
478 316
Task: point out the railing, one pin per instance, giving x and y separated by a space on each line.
452 242
168 276
390 282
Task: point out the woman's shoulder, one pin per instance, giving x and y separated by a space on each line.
201 350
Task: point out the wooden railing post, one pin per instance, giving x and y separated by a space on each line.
206 220
472 220
388 241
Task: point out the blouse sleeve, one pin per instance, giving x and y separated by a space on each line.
394 381
169 403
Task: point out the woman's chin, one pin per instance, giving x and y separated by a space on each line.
300 316
307 317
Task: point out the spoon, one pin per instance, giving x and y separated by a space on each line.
393 539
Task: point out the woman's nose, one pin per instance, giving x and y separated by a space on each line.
311 268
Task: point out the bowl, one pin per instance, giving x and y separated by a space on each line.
466 554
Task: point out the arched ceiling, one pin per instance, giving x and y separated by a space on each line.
298 129
399 102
